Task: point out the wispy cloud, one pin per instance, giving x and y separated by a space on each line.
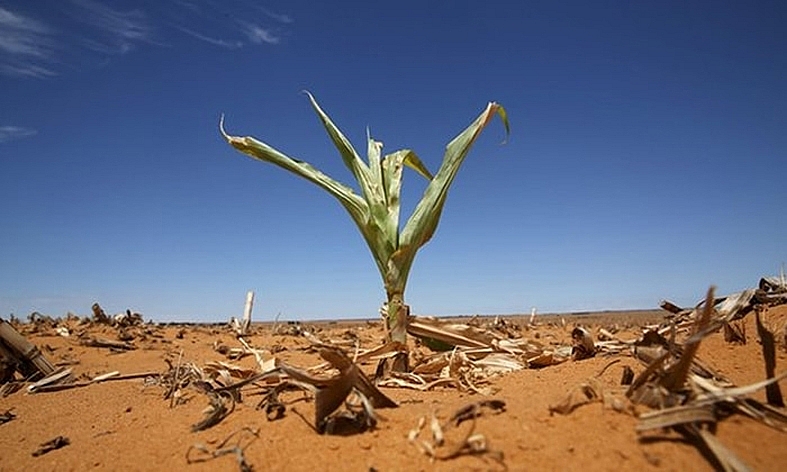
12 133
214 41
280 17
119 31
26 70
249 22
257 34
23 36
36 42
26 45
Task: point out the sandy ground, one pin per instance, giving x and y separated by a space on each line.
127 425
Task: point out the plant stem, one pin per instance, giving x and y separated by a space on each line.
398 314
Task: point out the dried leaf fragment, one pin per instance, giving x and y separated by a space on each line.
331 393
245 437
274 408
216 411
583 345
675 376
442 447
476 409
734 332
583 394
51 445
676 416
7 416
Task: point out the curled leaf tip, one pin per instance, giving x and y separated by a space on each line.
504 117
221 127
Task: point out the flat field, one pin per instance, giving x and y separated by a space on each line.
129 425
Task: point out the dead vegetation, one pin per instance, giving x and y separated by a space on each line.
448 441
684 394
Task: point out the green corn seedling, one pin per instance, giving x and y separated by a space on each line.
376 210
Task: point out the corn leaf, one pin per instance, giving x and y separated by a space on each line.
422 224
352 202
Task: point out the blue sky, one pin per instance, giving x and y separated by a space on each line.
647 160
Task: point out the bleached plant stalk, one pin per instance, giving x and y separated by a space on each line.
376 210
246 323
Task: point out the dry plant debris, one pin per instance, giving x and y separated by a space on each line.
331 393
7 416
242 439
689 399
181 377
217 410
51 445
128 318
473 353
583 394
38 387
18 354
349 387
592 390
92 341
583 345
683 393
448 441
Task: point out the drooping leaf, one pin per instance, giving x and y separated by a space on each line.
355 205
263 152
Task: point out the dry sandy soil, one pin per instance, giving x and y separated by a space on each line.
128 425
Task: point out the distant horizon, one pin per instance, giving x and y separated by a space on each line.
360 318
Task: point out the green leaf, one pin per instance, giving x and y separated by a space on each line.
372 228
354 204
422 224
412 161
370 188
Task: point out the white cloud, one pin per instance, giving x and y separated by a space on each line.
258 34
119 30
26 70
12 133
280 17
214 41
23 36
32 48
25 45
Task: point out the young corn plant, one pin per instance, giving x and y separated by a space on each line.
376 210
